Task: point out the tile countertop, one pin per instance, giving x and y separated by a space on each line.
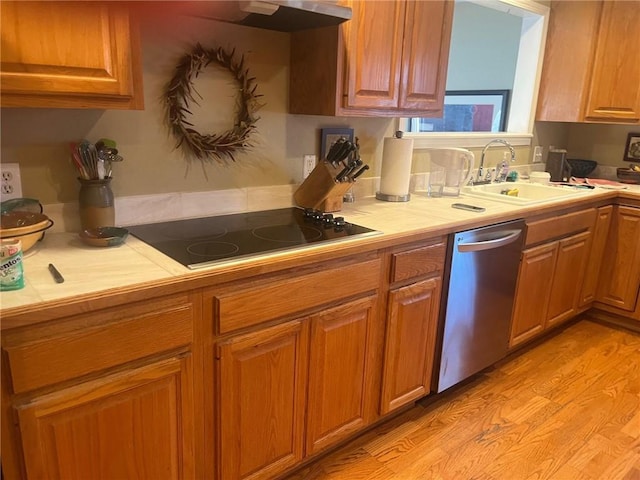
97 271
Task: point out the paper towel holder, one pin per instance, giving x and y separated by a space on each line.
389 197
393 198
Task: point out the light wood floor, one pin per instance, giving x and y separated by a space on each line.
566 409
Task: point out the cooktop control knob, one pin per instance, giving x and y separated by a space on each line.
327 220
339 223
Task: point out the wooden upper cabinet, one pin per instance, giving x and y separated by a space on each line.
390 59
425 54
70 55
374 41
615 81
590 71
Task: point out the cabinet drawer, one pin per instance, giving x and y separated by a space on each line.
244 307
128 333
418 261
560 226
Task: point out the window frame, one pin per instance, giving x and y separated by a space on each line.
521 120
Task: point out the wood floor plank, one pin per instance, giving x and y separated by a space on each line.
567 409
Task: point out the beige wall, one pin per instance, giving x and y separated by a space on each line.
603 143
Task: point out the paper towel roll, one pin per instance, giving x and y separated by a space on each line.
396 166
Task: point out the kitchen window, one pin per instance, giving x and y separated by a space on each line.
513 33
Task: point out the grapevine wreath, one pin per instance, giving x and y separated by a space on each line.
180 93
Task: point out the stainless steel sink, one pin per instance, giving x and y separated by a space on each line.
527 193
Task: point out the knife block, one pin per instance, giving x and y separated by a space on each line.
320 191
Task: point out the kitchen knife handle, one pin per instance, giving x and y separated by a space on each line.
343 173
332 154
360 172
344 152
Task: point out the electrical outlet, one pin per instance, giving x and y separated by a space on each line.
11 184
537 154
309 163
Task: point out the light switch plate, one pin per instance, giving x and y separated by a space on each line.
11 182
537 154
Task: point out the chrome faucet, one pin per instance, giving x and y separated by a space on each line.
479 179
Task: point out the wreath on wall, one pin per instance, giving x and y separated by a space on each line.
180 93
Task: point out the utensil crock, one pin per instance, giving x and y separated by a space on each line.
96 203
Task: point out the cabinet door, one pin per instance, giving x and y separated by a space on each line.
373 40
340 398
590 68
391 58
410 343
532 292
596 254
568 57
134 424
262 378
615 88
425 54
620 277
567 277
69 54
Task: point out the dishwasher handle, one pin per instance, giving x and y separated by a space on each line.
507 237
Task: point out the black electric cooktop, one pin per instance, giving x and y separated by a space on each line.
201 242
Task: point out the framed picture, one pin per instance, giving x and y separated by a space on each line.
328 136
468 111
632 149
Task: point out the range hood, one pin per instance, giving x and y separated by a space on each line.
281 15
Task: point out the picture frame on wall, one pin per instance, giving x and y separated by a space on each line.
328 136
632 148
468 111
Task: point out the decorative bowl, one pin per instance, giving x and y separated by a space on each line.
581 168
628 175
104 236
28 227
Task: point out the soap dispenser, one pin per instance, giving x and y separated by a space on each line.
502 168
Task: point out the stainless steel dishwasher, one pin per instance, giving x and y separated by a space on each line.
474 327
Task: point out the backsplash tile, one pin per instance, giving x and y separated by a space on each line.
268 198
216 202
139 209
147 208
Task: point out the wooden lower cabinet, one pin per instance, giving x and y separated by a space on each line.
132 424
532 292
262 379
340 396
549 285
316 371
573 254
598 249
410 345
619 285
